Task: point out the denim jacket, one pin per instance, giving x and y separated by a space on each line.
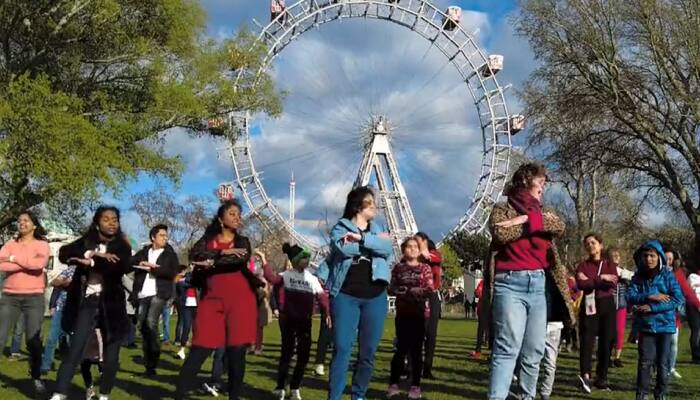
334 268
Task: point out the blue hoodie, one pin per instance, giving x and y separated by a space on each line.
335 267
662 318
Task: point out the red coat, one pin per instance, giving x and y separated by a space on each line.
688 293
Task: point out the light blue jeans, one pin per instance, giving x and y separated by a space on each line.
355 318
520 329
673 354
55 335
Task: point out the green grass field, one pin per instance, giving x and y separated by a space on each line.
457 377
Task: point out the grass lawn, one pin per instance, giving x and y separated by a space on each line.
457 377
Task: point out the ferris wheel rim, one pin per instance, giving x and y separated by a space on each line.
497 143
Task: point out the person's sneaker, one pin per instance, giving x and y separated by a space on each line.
151 372
320 370
279 394
14 356
39 387
602 385
58 396
393 390
544 397
103 397
296 394
585 383
414 392
675 374
428 375
211 388
618 363
476 355
90 393
181 353
258 351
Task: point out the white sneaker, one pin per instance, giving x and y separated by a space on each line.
296 394
181 353
39 387
279 394
320 370
90 393
58 396
675 374
103 397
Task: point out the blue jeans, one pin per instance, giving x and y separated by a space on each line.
166 320
520 328
673 354
353 317
55 335
654 350
16 344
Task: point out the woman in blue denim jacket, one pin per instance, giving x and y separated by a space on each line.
654 294
356 274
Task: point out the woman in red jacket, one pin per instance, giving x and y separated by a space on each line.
597 278
676 264
431 256
228 312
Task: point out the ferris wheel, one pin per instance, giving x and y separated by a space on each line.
442 29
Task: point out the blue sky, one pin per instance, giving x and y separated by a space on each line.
336 76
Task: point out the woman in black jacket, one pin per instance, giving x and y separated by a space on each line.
95 297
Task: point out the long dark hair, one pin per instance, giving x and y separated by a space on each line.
424 236
39 231
523 176
355 201
214 227
93 233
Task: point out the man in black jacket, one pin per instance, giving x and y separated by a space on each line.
155 269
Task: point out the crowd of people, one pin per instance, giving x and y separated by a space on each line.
529 304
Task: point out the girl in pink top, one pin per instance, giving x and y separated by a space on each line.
23 261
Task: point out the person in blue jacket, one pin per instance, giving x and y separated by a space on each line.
654 294
356 275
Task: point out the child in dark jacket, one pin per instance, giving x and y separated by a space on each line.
412 284
654 294
296 309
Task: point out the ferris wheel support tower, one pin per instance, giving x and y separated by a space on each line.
379 163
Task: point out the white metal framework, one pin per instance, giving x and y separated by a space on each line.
379 163
477 70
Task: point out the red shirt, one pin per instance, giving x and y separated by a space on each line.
435 261
688 293
526 253
590 269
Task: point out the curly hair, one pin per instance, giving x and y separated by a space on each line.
523 176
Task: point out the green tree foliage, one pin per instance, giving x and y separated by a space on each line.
451 266
469 248
87 88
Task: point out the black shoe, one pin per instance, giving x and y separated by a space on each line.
585 384
428 375
151 372
617 363
602 385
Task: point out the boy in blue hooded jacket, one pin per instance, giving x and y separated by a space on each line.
654 294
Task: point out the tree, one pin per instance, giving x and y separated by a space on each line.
633 70
451 265
186 218
87 88
469 248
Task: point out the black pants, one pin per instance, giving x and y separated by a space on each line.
84 328
324 338
693 315
602 325
654 350
431 329
86 371
296 336
187 378
410 333
483 330
150 309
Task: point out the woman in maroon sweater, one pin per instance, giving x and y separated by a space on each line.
597 278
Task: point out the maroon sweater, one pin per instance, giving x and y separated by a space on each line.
525 254
590 269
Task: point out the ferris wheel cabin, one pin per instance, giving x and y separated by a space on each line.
277 8
452 19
